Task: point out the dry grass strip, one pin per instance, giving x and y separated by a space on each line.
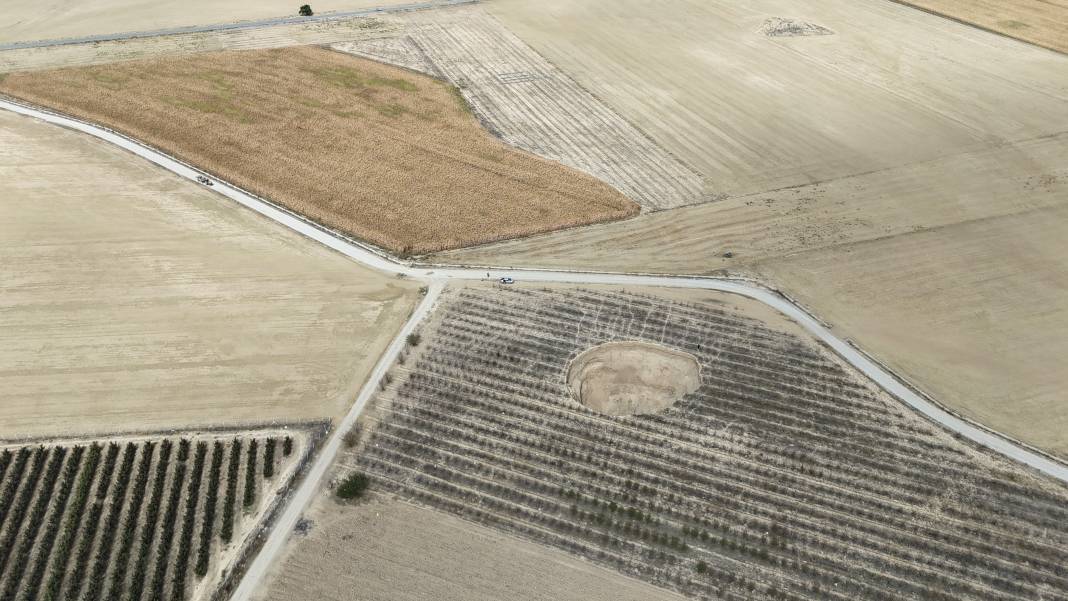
392 157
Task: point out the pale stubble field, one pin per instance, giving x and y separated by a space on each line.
904 177
136 301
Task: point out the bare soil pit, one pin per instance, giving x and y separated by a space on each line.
632 378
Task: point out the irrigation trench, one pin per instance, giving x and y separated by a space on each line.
436 277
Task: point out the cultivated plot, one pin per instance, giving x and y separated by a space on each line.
533 105
136 300
139 517
366 550
379 153
782 476
844 154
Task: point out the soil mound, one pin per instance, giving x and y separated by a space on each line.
632 378
789 28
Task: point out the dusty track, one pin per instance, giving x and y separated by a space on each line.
437 277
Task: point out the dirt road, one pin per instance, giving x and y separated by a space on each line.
438 277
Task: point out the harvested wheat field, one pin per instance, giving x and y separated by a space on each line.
1041 22
383 154
934 246
782 475
135 300
391 550
530 103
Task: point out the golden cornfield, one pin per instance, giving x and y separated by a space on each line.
389 156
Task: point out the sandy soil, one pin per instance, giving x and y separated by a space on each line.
632 378
1041 22
948 227
386 549
75 18
384 154
134 300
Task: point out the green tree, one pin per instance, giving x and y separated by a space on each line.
353 486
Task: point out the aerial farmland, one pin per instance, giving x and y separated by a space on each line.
462 300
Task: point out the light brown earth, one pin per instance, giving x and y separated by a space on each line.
632 378
388 550
384 154
133 300
53 19
1041 22
906 177
169 46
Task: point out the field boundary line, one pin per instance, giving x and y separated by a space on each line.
309 486
165 432
966 23
234 26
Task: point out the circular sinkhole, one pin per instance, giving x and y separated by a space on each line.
632 378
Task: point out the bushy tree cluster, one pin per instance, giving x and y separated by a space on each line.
250 475
226 531
268 458
48 540
353 486
57 574
80 561
21 558
167 527
95 587
148 530
185 540
210 502
137 499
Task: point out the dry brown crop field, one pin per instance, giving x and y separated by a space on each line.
386 155
785 475
139 517
136 300
1041 22
390 549
53 19
903 176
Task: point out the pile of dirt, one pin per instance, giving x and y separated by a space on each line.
777 27
632 378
